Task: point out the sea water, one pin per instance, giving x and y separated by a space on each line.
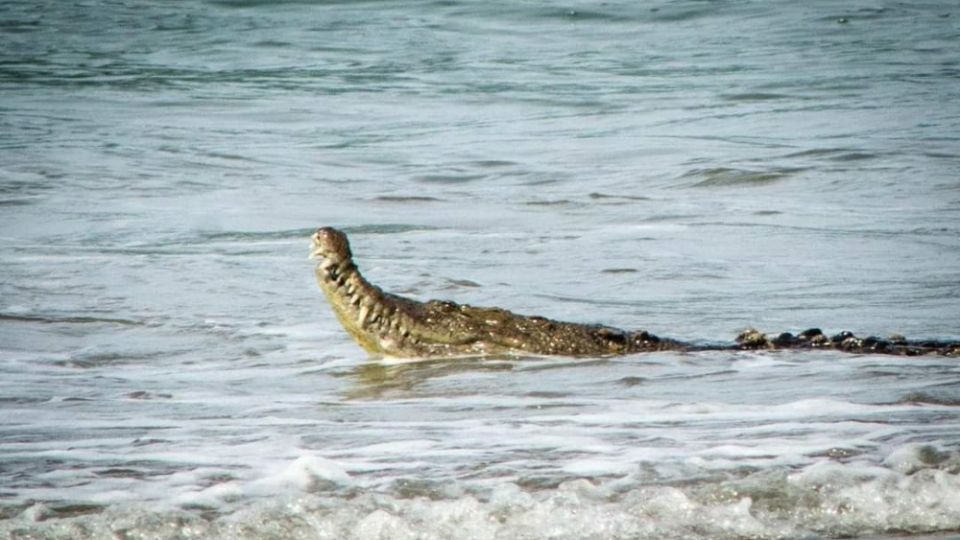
169 369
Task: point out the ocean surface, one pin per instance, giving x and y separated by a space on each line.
169 368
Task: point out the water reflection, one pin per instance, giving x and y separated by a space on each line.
376 379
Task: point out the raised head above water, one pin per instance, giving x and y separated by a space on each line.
391 325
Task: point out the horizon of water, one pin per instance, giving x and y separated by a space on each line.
171 370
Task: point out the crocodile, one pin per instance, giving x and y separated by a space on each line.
386 324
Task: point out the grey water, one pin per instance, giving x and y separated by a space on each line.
169 369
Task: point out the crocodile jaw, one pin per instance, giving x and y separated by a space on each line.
346 306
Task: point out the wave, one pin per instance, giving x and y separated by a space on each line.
826 499
726 176
69 319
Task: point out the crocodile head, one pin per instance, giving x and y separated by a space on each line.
391 325
350 296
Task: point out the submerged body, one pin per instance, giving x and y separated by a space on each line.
391 325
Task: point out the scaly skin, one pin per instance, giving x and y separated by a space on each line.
390 325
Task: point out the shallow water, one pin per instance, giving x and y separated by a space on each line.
170 370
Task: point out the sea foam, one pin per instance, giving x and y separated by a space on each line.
301 500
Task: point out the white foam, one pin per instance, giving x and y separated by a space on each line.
598 467
301 475
826 498
914 457
305 471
